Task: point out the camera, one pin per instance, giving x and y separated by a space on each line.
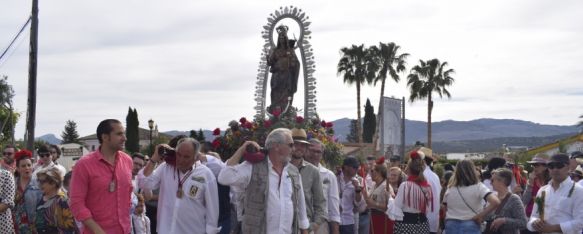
165 152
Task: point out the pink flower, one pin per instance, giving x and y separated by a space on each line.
299 119
248 125
243 120
216 132
329 124
267 123
323 123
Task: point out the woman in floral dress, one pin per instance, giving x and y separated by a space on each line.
52 211
27 194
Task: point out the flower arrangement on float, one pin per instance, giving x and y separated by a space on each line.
227 141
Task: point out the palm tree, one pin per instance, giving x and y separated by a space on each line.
426 78
389 61
356 68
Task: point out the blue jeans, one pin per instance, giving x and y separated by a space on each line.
347 229
364 223
454 226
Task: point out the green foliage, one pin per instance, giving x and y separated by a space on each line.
198 135
132 131
8 117
70 134
353 135
369 123
201 137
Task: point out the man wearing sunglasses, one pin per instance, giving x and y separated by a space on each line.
8 162
562 202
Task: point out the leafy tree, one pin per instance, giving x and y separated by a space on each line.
193 134
353 135
369 123
201 137
425 79
132 131
357 67
70 134
390 62
8 117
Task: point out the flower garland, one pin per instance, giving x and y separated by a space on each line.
228 141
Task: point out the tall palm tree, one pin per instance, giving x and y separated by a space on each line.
425 79
355 67
388 60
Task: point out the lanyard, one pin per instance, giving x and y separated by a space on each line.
181 181
112 183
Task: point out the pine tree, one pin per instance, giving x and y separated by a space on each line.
70 134
132 131
201 137
193 134
369 123
353 135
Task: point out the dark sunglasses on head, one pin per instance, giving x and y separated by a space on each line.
42 155
555 165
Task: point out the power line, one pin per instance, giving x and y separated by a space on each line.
13 40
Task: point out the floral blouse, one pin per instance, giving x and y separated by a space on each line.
54 216
24 210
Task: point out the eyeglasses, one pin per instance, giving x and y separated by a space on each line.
539 164
555 165
42 155
41 181
7 153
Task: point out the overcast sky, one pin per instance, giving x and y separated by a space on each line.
192 64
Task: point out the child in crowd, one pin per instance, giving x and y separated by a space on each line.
140 222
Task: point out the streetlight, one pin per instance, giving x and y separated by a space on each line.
151 126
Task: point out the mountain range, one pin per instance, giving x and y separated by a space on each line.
478 135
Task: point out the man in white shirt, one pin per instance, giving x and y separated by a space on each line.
563 201
274 198
329 185
350 190
434 182
188 200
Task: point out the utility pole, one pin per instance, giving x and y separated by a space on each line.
32 62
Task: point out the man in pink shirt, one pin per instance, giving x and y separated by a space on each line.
101 185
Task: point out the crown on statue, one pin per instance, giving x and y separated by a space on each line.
282 29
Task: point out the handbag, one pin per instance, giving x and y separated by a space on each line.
496 213
483 224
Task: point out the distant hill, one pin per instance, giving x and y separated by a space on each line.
450 130
493 144
208 134
49 138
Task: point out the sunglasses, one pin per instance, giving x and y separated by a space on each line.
7 153
44 155
539 164
41 181
555 165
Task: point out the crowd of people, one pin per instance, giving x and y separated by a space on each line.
185 187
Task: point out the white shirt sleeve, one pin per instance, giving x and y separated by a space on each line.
211 199
574 225
238 175
151 182
534 215
333 199
215 164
